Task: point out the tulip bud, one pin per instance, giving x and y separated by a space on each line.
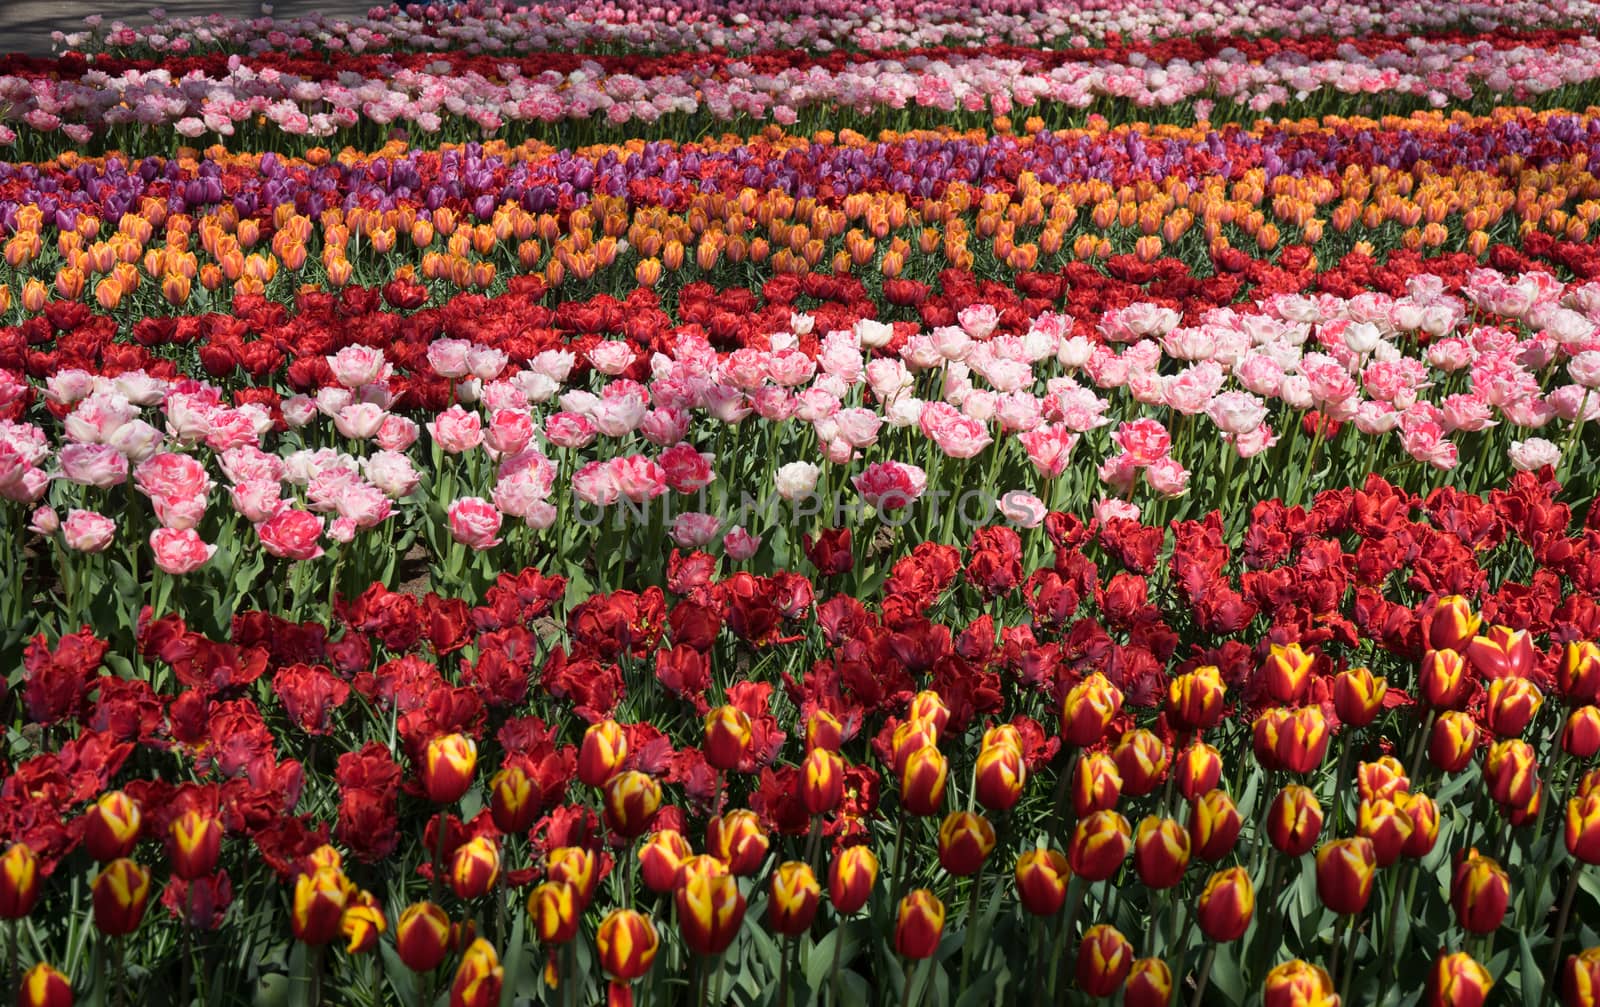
1345 871
474 868
1104 959
1087 709
194 842
1384 778
998 777
728 737
555 910
1096 784
1511 772
660 858
1513 702
1580 979
1479 892
929 708
851 877
1199 769
1442 680
1149 984
821 781
794 899
362 924
1358 696
19 881
578 867
738 841
1588 783
1003 736
631 801
1389 829
1449 624
1142 759
922 781
1454 737
1583 828
478 978
824 731
1424 815
602 753
1099 845
1042 877
1580 738
121 892
1295 820
447 765
1194 700
965 842
1227 904
111 826
627 944
513 803
710 912
422 937
1160 852
918 925
910 737
1457 980
1286 671
43 986
319 900
1525 813
1578 672
1214 825
1298 983
1503 652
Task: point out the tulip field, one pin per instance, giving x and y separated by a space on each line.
799 502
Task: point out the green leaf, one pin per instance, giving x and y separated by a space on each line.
1532 978
1227 975
980 991
401 979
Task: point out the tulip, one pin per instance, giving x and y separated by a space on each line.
1105 958
319 901
556 911
1583 828
821 781
738 841
727 737
851 876
474 868
1457 980
1226 905
1503 652
1149 984
919 924
1511 772
908 738
922 782
1381 821
1142 759
1298 984
1513 702
660 858
43 986
1454 737
1087 709
710 912
121 892
1358 696
1588 783
1160 852
1580 737
111 826
1580 980
578 867
965 842
1002 736
999 776
1442 679
1042 876
1096 784
19 881
1450 623
1199 769
631 800
1286 671
1384 778
513 803
1099 845
1578 671
362 924
1214 825
823 730
1345 871
795 896
1302 740
1424 815
627 944
478 978
1295 820
194 842
1194 700
928 708
602 753
447 764
1479 893
422 937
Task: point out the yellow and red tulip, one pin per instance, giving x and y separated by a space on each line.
478 978
1105 958
1042 877
1457 980
1099 845
1479 892
43 986
319 900
1454 737
922 782
919 923
1511 772
1227 905
448 762
422 936
851 877
1149 984
631 801
474 868
999 777
794 898
1195 699
1358 696
1096 784
738 841
1580 736
1381 779
1295 820
821 781
1442 680
578 867
928 707
194 842
1160 852
513 801
1424 815
1578 671
1580 979
1345 872
555 910
1214 825
121 891
1450 623
111 826
710 912
1513 702
1087 709
1381 821
1142 760
602 753
1198 769
19 881
363 923
1298 983
661 856
1286 672
965 842
727 737
627 943
1583 828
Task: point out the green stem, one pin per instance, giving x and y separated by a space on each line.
1205 976
1561 919
967 939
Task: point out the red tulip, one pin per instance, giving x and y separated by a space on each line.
919 924
1226 906
1345 871
1105 958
